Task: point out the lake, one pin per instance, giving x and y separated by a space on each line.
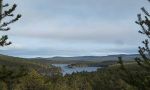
66 70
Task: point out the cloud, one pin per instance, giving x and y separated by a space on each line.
84 51
100 32
75 27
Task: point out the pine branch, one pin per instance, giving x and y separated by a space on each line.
6 5
11 21
9 12
3 41
145 11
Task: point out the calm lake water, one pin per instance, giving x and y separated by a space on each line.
67 70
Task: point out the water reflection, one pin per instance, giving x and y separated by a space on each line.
66 70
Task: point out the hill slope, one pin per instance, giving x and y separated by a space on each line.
16 62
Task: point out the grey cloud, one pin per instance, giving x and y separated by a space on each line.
70 22
88 32
54 52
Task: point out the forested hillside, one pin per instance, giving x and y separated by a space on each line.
111 77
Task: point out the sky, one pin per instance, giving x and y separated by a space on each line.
51 28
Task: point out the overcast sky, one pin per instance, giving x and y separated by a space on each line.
75 28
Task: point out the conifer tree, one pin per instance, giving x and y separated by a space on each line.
144 51
4 25
141 79
7 75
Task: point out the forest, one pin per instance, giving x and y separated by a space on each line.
28 75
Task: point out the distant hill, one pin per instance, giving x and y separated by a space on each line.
92 58
44 64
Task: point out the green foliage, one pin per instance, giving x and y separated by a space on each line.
140 79
10 76
34 81
103 79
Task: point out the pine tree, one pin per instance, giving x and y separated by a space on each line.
4 25
7 75
140 79
145 50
